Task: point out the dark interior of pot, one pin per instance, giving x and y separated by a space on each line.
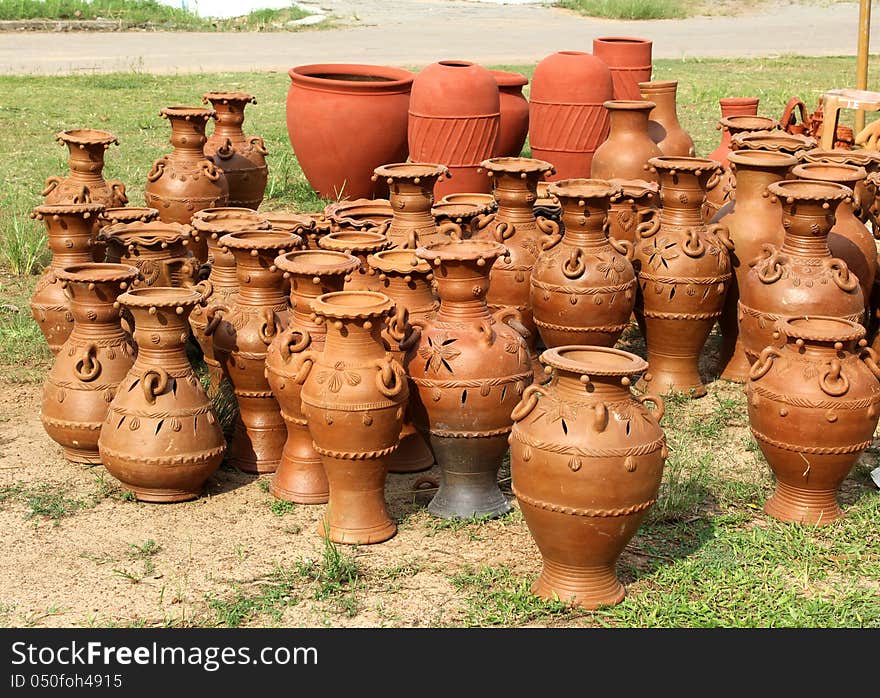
347 77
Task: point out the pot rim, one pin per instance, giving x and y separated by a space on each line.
360 304
398 261
187 112
358 212
773 140
628 364
354 240
629 104
130 213
150 233
459 211
87 136
684 163
863 157
508 78
762 158
739 101
622 40
742 121
255 240
845 173
317 262
71 209
399 80
585 188
159 297
233 96
799 190
659 85
516 165
819 328
475 198
97 272
411 170
469 250
636 188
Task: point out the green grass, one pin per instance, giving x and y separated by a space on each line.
629 9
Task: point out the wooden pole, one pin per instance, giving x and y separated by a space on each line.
862 57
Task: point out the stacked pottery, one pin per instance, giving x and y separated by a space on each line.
735 125
629 59
753 218
161 439
259 311
567 116
360 244
663 125
354 396
586 460
85 183
471 368
92 362
160 251
626 153
636 206
732 106
583 289
683 269
814 401
242 158
128 214
300 475
799 277
514 107
454 118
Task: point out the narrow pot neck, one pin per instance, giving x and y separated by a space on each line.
515 196
258 284
462 286
188 137
416 295
87 162
629 122
352 340
599 388
161 337
682 196
664 99
303 290
585 225
807 226
752 183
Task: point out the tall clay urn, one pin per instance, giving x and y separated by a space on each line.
85 183
257 314
514 113
69 228
471 368
629 59
753 218
344 120
663 125
586 460
92 362
161 439
185 180
300 476
626 153
567 115
242 158
732 106
683 268
455 119
354 395
636 206
583 290
799 277
814 401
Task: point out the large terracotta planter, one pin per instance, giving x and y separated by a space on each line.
586 460
732 106
663 125
567 116
361 244
636 206
583 290
471 368
161 439
344 120
814 401
629 59
85 183
626 153
514 113
92 362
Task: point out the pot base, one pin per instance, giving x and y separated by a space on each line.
300 480
587 587
796 505
672 375
357 536
161 496
735 367
251 449
82 455
412 456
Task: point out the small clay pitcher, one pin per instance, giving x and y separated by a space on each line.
629 146
470 367
663 125
92 362
814 402
85 183
360 244
161 439
162 252
69 228
583 290
300 476
354 395
586 460
637 204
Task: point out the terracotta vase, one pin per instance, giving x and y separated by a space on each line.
407 280
185 180
567 115
307 226
242 158
629 59
514 113
813 408
471 368
586 460
800 277
637 204
360 244
753 218
683 268
454 119
92 362
360 214
257 314
344 121
870 160
732 106
85 183
583 289
737 124
161 439
626 153
354 396
467 216
300 475
161 251
663 125
69 228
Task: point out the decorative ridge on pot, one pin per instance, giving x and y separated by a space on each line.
86 209
471 198
629 364
188 113
636 188
773 140
462 250
842 171
458 212
129 214
312 77
393 260
746 122
87 136
159 297
810 190
233 96
761 157
519 164
863 158
685 164
586 188
811 327
410 170
343 240
629 104
100 271
352 305
256 240
317 262
359 214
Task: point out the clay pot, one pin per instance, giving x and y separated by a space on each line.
242 158
863 191
161 251
307 226
626 153
547 206
813 408
360 244
300 476
471 199
629 59
69 228
360 214
639 200
454 119
735 125
92 362
753 218
185 181
161 439
344 121
663 125
683 268
583 289
732 106
128 214
586 460
776 141
800 277
257 314
468 217
514 113
85 183
354 397
471 367
567 116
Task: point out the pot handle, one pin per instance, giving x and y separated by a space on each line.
210 170
527 403
513 319
157 170
227 150
658 402
504 231
692 246
651 223
833 382
551 229
269 326
215 317
118 189
154 382
869 356
487 334
764 363
624 247
841 275
289 346
307 360
258 144
451 229
574 266
722 233
87 366
51 184
390 379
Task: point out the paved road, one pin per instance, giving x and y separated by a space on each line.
418 32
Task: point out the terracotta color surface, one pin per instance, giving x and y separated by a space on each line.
514 113
663 125
629 59
469 217
85 183
360 214
732 106
640 198
361 244
626 153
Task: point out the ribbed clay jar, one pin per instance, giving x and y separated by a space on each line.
514 113
663 124
629 59
626 153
